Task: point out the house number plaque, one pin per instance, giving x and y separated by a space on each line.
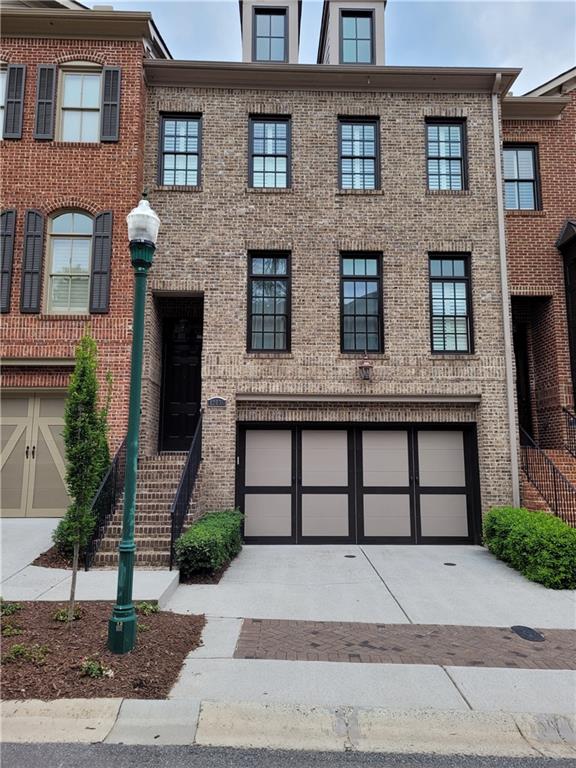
216 402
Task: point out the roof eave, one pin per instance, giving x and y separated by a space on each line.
533 107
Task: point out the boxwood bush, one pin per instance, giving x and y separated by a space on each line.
210 543
542 547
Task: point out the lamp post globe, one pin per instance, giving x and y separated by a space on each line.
143 226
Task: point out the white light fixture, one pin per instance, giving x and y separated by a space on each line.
143 224
365 368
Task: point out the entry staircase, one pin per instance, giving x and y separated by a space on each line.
549 475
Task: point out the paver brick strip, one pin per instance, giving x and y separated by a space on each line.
404 644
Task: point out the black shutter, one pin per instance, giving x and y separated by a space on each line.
101 258
45 101
32 262
109 129
14 104
7 228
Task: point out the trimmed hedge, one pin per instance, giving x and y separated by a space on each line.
210 543
542 547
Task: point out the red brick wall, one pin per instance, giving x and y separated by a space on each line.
52 175
534 263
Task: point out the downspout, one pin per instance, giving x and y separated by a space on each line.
506 310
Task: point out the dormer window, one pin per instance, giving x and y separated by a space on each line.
270 34
356 37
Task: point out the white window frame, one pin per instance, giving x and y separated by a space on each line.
80 68
50 260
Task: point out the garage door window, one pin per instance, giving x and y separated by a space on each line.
451 321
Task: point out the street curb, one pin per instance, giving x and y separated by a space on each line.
288 726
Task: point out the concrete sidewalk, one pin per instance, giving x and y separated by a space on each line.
289 727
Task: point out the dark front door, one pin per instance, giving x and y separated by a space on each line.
523 377
570 272
181 385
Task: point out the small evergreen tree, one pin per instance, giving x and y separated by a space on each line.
87 456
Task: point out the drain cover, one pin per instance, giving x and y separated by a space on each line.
349 555
527 633
449 563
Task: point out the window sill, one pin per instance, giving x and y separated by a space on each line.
175 188
454 356
354 192
269 190
532 212
360 356
73 144
45 316
268 356
448 193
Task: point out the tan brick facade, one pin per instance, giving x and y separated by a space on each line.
206 234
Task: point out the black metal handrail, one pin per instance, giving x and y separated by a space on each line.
104 502
554 487
570 421
185 488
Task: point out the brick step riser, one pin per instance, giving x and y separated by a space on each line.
158 530
154 560
162 545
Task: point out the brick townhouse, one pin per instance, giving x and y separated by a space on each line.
329 289
539 131
73 100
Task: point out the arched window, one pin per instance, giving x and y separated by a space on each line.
70 252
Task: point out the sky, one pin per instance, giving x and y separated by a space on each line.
539 37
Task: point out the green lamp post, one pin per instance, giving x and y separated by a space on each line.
143 226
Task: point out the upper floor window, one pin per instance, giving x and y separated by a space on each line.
70 249
270 152
270 34
359 154
356 37
451 319
179 162
521 188
2 97
269 302
446 154
361 303
80 102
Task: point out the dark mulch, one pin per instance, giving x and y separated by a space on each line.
209 577
148 672
52 559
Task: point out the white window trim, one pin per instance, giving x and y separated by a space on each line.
73 67
49 261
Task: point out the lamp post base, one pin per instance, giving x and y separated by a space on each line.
122 633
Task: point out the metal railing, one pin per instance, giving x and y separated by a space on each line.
570 421
104 502
556 490
185 488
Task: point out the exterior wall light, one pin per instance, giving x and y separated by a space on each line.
365 369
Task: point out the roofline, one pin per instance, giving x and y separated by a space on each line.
554 82
88 24
534 107
226 74
323 27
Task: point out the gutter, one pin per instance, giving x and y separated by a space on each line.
506 305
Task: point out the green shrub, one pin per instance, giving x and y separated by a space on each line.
9 609
95 669
22 652
62 614
210 543
9 630
147 609
542 547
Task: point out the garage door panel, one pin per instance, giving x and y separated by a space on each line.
444 515
267 514
441 459
387 515
268 457
385 458
325 458
325 514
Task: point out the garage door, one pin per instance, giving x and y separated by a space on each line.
330 484
32 469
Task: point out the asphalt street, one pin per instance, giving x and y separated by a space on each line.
120 756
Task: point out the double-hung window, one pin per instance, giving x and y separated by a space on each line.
521 189
451 316
446 154
270 34
270 152
361 302
269 302
80 105
179 163
359 153
356 37
69 263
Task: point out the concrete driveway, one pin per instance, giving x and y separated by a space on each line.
459 585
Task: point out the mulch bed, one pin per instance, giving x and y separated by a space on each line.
206 578
148 672
52 559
